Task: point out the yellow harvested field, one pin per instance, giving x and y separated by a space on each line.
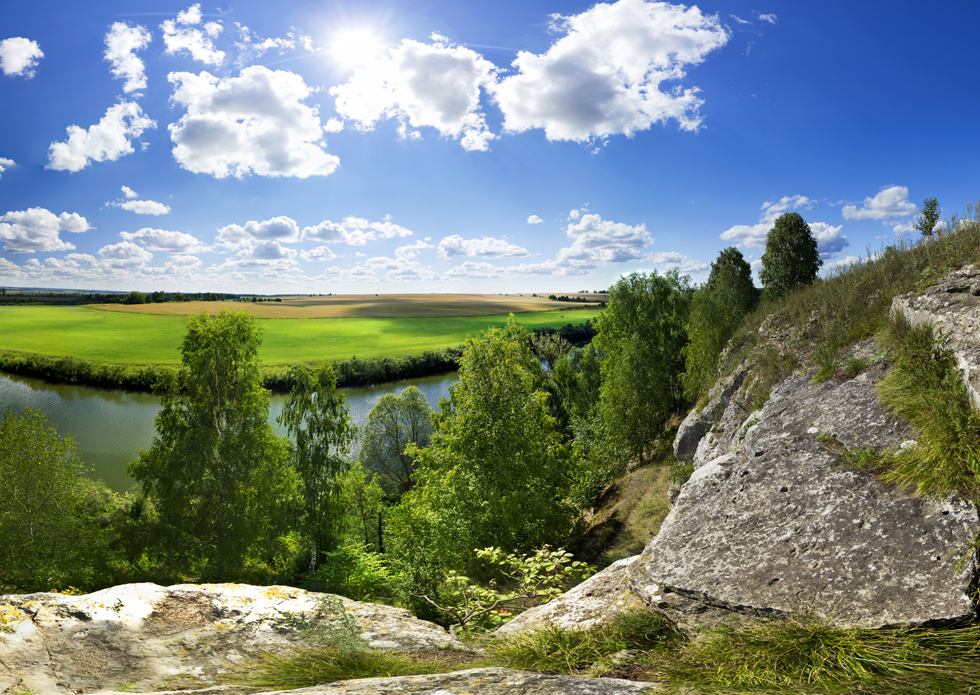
372 306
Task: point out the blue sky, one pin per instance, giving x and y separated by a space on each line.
299 147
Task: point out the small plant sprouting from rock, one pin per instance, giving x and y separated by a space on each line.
538 577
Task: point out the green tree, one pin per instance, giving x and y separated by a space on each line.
791 259
641 339
928 217
135 297
393 424
42 540
716 311
216 471
495 472
317 417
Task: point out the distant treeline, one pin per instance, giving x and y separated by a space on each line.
566 298
357 371
77 298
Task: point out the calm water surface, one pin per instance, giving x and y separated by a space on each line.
112 426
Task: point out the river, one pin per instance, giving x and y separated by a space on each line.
112 426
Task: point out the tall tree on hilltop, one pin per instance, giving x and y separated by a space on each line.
791 259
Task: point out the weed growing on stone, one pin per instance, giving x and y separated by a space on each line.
925 389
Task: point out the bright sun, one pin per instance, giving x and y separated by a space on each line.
356 47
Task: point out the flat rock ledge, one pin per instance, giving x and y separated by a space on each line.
145 637
482 681
782 526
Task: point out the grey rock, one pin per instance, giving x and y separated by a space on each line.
589 603
952 308
482 681
782 527
713 422
159 638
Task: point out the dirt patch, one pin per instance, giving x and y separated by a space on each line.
178 613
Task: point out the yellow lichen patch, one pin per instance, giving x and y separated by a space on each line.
10 617
280 593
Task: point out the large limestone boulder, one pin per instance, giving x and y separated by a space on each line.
591 602
147 637
781 526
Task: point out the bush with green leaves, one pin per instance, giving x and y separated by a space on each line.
526 580
48 536
928 218
496 472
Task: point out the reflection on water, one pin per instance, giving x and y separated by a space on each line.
112 426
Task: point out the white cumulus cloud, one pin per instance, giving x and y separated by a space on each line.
179 36
603 76
125 255
35 230
534 219
829 238
888 204
5 163
422 85
19 57
167 241
412 250
122 42
598 241
672 259
320 253
354 231
251 47
107 140
252 123
487 247
280 228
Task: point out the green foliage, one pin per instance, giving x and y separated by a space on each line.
495 473
356 572
716 311
924 388
317 418
552 649
641 339
217 473
928 217
394 423
809 655
791 259
43 534
528 580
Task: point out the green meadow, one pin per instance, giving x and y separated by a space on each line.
121 337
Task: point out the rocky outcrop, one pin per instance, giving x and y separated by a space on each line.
589 603
782 525
952 309
147 637
482 681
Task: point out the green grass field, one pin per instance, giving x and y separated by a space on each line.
106 336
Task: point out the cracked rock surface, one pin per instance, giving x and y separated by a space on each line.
147 637
781 526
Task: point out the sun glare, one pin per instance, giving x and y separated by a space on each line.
356 47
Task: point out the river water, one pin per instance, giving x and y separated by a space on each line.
111 426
